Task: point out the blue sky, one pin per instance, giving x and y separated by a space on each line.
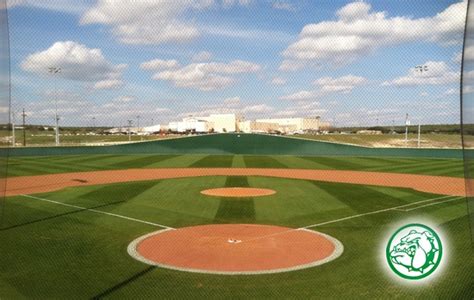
350 62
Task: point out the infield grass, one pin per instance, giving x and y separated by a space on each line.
53 251
23 166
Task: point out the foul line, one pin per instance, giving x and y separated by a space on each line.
98 211
375 212
430 204
360 215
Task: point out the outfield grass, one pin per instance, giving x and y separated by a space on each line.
22 166
427 140
67 138
54 251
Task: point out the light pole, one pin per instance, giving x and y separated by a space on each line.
129 130
13 128
407 122
138 124
419 135
56 70
24 127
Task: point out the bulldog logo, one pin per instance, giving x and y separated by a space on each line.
414 251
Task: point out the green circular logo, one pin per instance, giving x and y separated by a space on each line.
414 251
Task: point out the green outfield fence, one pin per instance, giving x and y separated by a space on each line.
254 144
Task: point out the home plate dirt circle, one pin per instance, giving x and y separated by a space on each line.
235 249
238 192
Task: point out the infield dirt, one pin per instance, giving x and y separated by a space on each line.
53 182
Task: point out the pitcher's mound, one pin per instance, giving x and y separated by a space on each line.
235 249
238 192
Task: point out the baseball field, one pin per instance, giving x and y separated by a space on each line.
227 216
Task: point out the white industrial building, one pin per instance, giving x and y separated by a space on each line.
286 125
136 130
222 122
189 125
150 129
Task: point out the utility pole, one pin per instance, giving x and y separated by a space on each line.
24 127
93 122
129 130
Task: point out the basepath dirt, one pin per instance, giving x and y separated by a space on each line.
236 192
235 249
53 182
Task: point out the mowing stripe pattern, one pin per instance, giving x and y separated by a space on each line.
232 210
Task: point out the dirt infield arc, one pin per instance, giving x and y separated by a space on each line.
236 192
47 183
235 249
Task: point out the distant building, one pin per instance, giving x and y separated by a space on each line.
189 125
228 123
369 132
222 122
285 125
150 129
257 127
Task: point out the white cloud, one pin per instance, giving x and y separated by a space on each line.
108 84
229 3
300 96
327 85
202 56
278 81
254 35
452 92
286 113
302 109
232 102
159 64
75 109
11 3
283 5
457 58
66 6
437 73
359 31
207 76
468 55
289 65
150 21
468 89
469 75
259 108
344 84
77 62
424 94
